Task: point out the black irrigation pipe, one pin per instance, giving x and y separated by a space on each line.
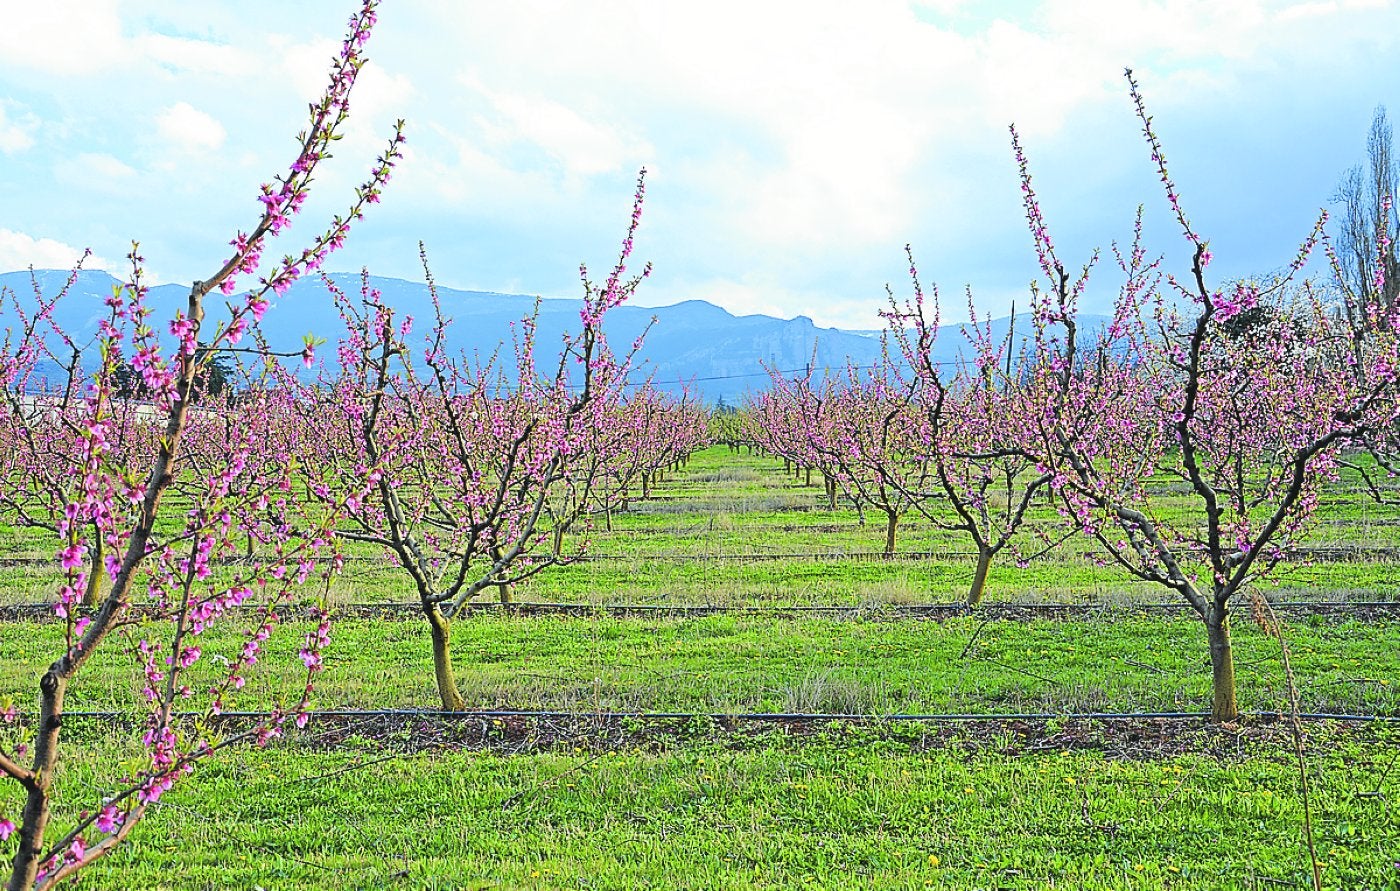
777 555
735 717
1324 553
926 610
43 611
1336 552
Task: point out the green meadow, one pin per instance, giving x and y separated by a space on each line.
757 604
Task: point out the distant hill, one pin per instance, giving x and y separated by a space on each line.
693 344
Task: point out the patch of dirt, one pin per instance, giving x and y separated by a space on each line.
1136 739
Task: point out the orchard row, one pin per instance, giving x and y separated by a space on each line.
470 474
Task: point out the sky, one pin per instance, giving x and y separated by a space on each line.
793 148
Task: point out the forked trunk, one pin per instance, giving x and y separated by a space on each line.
979 578
34 819
442 660
891 524
1222 666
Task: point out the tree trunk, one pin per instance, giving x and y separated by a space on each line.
506 590
646 487
809 476
1222 666
830 493
979 578
34 819
442 660
890 526
97 581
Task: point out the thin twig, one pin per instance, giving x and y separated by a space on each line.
1295 724
513 799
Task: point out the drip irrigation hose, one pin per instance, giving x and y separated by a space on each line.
991 610
747 717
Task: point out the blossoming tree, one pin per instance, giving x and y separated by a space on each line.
169 579
967 428
477 469
1250 427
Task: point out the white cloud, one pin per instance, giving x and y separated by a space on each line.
1322 8
838 114
825 106
460 173
1307 10
189 129
15 135
192 56
584 145
69 37
941 7
106 166
379 98
802 141
20 251
307 66
96 171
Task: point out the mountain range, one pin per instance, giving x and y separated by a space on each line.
692 346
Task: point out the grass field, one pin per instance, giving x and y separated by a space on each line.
581 798
847 807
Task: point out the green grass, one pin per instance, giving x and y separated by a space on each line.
1020 805
736 530
1119 661
849 808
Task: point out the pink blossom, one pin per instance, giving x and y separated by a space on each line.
109 819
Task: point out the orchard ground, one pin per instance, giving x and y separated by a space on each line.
750 596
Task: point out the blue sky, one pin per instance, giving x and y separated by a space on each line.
794 147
